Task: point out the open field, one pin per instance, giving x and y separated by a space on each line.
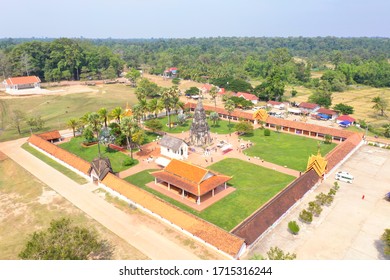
28 205
67 102
285 149
251 191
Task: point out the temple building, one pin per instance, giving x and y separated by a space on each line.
16 85
173 147
190 181
200 130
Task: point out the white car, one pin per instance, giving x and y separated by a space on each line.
344 176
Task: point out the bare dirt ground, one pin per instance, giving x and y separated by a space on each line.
351 227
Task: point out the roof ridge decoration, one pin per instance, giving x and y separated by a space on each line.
318 163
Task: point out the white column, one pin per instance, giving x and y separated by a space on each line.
198 200
169 186
182 193
213 192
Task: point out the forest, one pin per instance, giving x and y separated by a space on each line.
274 62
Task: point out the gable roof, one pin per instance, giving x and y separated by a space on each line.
101 166
22 80
326 111
273 103
50 135
306 105
247 96
191 178
171 142
346 118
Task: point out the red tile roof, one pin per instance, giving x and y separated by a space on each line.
235 113
210 233
346 118
326 111
273 103
22 80
310 127
191 178
306 105
50 135
207 86
59 153
247 96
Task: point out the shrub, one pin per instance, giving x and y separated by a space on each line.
386 239
321 199
293 227
328 139
336 186
306 216
128 162
276 253
332 192
314 208
267 132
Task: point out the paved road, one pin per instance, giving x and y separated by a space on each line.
349 229
152 244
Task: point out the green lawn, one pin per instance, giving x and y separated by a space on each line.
285 149
56 110
66 171
254 184
222 127
176 129
89 153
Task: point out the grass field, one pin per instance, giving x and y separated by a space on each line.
285 149
254 184
28 205
90 153
57 109
59 167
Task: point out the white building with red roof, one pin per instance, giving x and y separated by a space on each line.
308 107
331 113
248 96
276 104
17 85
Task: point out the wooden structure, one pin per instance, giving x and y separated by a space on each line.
191 181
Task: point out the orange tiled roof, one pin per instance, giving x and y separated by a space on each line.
61 154
190 177
22 80
210 233
50 135
310 127
186 171
235 113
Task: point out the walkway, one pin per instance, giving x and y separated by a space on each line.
139 235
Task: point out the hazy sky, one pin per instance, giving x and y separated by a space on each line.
194 18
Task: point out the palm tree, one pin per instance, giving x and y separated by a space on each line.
380 104
143 107
103 113
73 124
213 93
94 122
129 126
117 113
167 97
155 106
229 107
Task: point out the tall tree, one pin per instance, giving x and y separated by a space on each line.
103 113
380 104
64 241
213 94
73 124
129 126
17 117
168 97
229 107
117 113
133 75
94 121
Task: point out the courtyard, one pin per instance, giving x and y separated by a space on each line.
351 227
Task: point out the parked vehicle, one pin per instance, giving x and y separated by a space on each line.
344 176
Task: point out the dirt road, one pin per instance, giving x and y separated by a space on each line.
139 235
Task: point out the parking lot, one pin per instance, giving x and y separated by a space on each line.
351 227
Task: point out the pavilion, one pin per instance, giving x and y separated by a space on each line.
191 181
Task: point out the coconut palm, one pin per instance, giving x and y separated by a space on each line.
155 106
167 97
73 124
380 104
214 117
129 126
117 113
103 113
213 93
229 107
